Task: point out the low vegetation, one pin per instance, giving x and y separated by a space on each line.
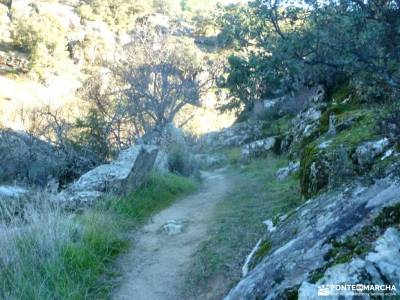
43 39
257 196
47 254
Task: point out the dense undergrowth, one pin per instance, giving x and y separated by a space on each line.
257 195
51 255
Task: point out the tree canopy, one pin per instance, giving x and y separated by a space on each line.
279 45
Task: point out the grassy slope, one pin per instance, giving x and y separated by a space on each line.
83 246
257 196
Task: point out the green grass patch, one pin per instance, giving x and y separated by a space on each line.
233 155
256 196
71 257
277 127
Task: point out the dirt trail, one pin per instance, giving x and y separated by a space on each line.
156 267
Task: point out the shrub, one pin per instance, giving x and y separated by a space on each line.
179 160
116 13
85 11
42 38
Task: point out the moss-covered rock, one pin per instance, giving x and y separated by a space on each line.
328 162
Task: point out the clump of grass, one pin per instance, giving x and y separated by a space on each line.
233 155
158 193
47 254
257 195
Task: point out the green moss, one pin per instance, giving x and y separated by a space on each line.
317 274
310 155
389 216
335 109
362 130
342 93
233 154
277 127
292 293
363 124
263 250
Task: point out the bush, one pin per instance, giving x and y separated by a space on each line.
85 11
116 13
179 160
42 38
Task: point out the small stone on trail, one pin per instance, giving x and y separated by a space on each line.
173 227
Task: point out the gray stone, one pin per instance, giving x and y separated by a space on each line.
120 177
387 154
283 173
174 153
288 104
305 125
332 125
12 192
205 161
386 257
368 151
173 227
249 258
31 160
258 147
236 135
270 225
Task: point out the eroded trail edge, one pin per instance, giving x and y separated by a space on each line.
156 267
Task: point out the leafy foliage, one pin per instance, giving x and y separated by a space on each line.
117 13
282 45
43 38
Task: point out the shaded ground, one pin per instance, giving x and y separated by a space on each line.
156 268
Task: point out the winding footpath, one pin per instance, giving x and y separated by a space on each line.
156 267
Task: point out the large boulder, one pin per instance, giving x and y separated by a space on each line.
329 163
368 151
304 128
205 161
259 147
285 172
300 243
325 166
236 135
11 191
174 154
288 104
31 160
120 177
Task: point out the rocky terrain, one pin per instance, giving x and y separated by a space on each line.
349 180
299 195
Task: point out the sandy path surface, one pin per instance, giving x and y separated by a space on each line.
155 269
